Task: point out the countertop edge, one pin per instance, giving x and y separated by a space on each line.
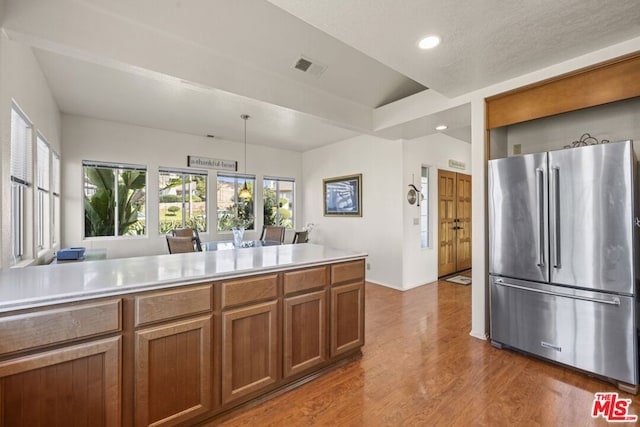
58 299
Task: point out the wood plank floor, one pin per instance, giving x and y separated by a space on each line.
421 367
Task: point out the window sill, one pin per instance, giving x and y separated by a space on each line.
24 263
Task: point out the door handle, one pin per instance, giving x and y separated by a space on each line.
540 201
556 218
612 301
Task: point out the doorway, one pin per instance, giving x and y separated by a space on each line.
454 222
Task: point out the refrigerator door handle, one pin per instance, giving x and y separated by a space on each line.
540 201
556 219
612 301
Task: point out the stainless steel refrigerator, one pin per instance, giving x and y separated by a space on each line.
562 251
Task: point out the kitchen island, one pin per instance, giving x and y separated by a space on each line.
173 339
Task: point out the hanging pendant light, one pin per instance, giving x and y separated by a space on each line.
244 192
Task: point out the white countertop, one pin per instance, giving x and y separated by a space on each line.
44 285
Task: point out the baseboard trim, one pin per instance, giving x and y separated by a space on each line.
479 335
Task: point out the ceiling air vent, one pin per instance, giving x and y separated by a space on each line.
309 66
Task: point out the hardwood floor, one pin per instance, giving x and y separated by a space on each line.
421 367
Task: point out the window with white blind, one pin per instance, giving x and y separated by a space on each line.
43 212
114 199
182 200
424 207
232 208
21 141
277 198
55 192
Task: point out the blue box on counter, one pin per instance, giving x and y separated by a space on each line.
70 253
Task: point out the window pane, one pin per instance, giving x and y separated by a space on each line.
20 176
183 201
17 221
278 202
43 165
131 218
233 210
20 147
105 217
424 208
170 201
196 202
55 173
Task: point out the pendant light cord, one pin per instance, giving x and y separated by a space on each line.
245 117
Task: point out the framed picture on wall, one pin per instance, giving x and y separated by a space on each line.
343 195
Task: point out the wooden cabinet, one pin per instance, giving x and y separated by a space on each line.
250 349
304 332
180 355
347 307
173 380
173 357
76 385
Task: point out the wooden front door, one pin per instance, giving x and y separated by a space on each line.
454 222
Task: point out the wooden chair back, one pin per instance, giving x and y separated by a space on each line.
189 232
300 237
179 245
272 233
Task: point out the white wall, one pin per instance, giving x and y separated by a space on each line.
22 81
92 139
379 231
615 121
420 266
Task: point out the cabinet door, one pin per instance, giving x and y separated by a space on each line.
347 318
304 336
250 352
77 385
173 372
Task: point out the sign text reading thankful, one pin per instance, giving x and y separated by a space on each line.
205 162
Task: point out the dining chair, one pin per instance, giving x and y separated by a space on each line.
300 237
272 233
189 232
179 245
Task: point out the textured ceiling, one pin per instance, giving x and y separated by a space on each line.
194 66
483 42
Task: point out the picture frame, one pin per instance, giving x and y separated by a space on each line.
343 195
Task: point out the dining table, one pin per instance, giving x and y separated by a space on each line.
218 245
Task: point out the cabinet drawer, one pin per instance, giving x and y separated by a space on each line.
48 327
172 304
243 291
347 272
303 280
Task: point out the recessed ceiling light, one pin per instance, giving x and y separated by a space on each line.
441 127
429 42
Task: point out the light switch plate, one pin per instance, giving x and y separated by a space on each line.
517 149
416 221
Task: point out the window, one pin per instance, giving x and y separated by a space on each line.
231 209
21 141
114 199
43 213
424 207
278 201
182 200
55 189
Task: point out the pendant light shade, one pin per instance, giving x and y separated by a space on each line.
244 192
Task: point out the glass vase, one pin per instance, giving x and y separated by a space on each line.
238 236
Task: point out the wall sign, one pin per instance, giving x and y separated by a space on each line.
457 165
206 162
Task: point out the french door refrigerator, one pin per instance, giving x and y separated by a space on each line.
562 250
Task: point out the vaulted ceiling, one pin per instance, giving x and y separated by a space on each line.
194 66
